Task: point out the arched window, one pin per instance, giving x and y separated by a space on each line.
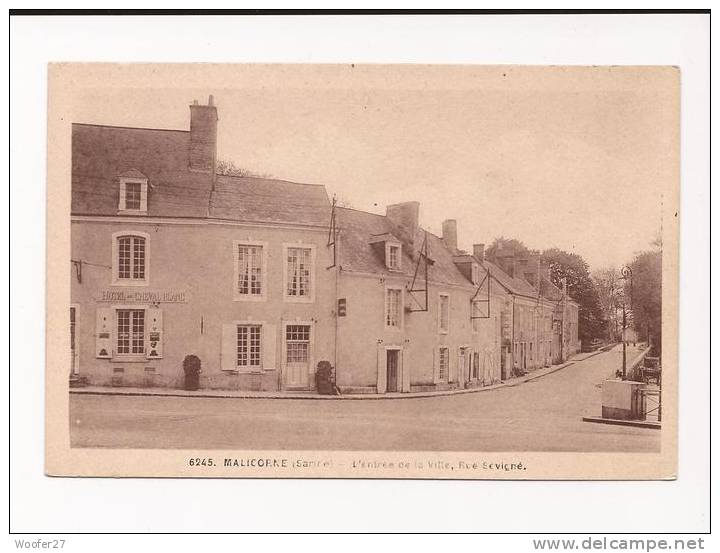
130 258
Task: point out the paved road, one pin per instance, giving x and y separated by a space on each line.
540 415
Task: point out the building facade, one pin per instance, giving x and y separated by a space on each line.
261 279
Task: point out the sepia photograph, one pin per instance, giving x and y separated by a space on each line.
369 258
359 272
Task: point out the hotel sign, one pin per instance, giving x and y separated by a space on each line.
143 296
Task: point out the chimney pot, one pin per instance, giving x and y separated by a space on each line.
195 102
449 234
211 100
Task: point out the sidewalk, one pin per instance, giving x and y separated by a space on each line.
244 394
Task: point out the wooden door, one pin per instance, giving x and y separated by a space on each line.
393 356
297 355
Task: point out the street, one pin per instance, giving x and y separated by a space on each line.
540 415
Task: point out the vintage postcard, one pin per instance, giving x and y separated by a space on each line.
362 271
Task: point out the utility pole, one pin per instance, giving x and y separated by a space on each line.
626 274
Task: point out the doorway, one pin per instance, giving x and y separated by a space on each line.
297 355
393 361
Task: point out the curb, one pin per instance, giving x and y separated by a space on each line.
354 397
620 422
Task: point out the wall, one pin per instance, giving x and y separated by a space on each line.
197 260
363 337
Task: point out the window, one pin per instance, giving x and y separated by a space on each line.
444 314
298 283
133 195
130 331
393 256
443 363
475 314
475 274
393 308
249 346
130 259
249 270
297 342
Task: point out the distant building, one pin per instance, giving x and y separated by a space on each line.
263 278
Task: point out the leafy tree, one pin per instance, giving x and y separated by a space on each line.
609 287
645 293
228 168
574 270
511 244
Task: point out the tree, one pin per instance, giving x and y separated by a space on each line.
645 294
228 168
510 244
573 269
609 287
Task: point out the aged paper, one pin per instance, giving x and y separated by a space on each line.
389 271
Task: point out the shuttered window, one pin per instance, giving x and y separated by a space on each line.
443 363
249 346
130 331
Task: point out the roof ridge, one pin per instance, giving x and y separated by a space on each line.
273 179
129 128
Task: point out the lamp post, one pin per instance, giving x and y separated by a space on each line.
626 273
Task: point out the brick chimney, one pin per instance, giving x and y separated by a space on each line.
203 137
449 234
506 259
479 252
405 217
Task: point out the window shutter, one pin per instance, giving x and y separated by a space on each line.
121 199
269 339
103 332
143 197
154 333
382 370
436 365
405 370
452 368
228 357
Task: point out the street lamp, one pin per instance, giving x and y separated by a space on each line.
626 273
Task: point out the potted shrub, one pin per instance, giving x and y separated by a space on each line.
192 369
324 381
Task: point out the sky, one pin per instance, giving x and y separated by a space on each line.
576 158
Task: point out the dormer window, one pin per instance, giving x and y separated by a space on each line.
392 256
133 192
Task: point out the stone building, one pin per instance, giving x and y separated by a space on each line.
263 278
170 259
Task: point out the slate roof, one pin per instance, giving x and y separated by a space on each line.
356 254
269 200
101 154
